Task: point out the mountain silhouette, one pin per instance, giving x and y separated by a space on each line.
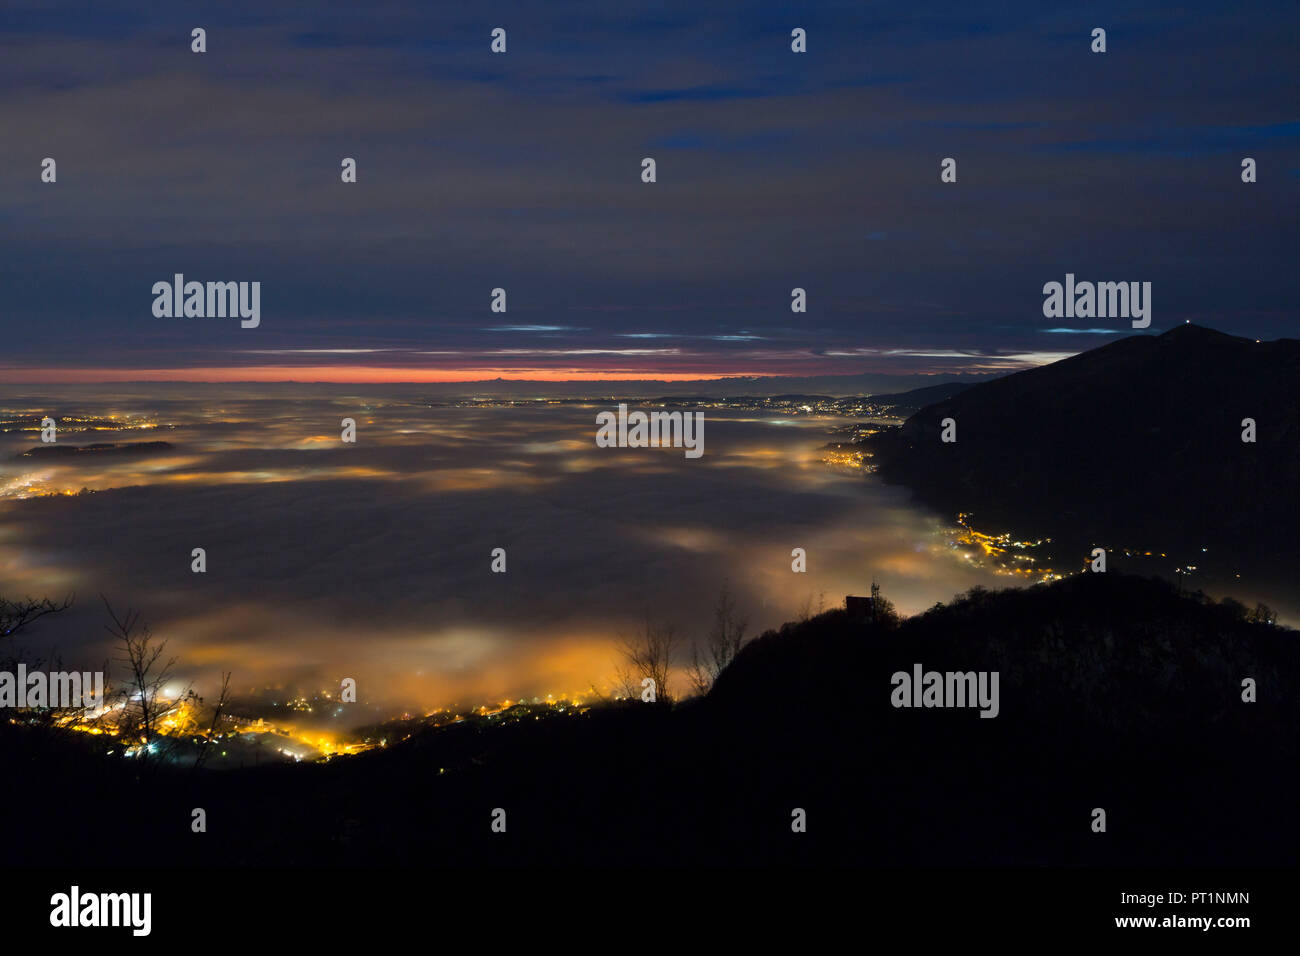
1135 444
918 398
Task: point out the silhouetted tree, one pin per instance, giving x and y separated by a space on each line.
1263 614
723 644
222 699
883 612
1235 608
649 654
805 610
145 705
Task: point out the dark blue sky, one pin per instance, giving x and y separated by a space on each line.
522 171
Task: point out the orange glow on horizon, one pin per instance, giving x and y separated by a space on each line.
344 374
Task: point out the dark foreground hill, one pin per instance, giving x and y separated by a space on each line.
1114 693
1137 444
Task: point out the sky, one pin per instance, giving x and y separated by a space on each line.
522 171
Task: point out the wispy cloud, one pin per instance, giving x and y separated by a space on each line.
532 328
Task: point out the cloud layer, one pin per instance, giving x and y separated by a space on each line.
522 170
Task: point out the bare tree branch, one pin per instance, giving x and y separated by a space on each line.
15 615
145 705
222 699
649 655
723 644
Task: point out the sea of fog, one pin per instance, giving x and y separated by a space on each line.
372 560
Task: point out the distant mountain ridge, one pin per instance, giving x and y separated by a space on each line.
1136 443
99 448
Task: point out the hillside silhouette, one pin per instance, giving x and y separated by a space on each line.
1137 444
918 398
1115 692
